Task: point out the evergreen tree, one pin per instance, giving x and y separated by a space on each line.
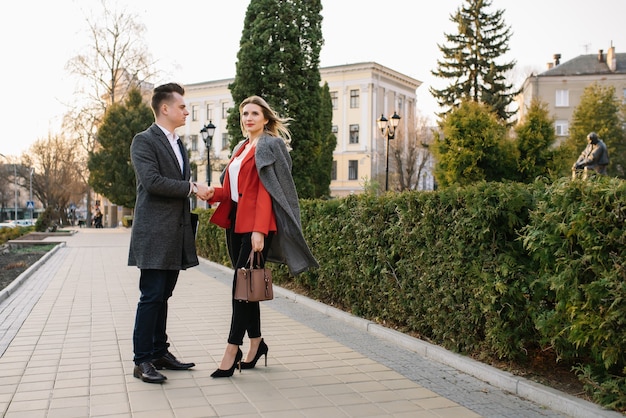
599 111
473 147
321 175
111 170
535 139
278 60
470 60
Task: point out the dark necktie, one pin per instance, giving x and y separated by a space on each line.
182 153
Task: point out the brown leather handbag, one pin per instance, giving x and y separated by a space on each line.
254 283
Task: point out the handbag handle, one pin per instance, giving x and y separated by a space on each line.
254 260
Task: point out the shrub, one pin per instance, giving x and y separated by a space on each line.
577 236
47 220
7 234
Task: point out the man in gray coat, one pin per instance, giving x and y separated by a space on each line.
162 241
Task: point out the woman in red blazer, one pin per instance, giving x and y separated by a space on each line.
250 198
258 194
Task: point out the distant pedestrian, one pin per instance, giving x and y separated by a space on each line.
97 219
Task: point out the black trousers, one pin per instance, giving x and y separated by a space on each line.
246 316
149 335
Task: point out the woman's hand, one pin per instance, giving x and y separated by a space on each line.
258 241
205 192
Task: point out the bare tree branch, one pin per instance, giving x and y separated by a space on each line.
411 155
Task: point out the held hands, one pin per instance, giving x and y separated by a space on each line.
205 192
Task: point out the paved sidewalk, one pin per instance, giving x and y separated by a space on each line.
66 351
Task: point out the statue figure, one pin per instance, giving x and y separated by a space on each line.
594 157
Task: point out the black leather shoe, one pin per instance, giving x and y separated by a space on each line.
146 372
168 361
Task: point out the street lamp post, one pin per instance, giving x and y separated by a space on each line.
14 183
388 131
207 136
31 193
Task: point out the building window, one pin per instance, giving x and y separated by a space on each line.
354 134
334 99
194 112
333 171
353 170
209 112
194 142
562 98
354 99
561 128
335 129
225 140
224 110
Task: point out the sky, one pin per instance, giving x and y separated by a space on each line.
197 40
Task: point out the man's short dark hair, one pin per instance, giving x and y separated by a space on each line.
164 93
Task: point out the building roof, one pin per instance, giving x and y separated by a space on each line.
590 64
412 82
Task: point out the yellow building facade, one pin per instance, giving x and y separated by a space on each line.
360 93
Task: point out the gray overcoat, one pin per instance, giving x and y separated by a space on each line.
162 237
273 164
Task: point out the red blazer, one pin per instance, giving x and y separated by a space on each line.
254 209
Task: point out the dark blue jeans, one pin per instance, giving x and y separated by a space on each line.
149 335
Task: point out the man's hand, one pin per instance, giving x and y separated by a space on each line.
205 192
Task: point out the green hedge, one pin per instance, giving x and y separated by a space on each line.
577 238
493 269
210 239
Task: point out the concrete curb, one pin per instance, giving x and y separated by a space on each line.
524 388
15 284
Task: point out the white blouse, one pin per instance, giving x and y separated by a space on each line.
233 174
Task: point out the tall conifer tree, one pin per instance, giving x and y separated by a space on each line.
469 60
535 142
278 60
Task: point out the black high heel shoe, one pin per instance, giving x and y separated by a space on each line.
261 351
229 372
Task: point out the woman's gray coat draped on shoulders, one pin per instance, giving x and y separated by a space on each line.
288 246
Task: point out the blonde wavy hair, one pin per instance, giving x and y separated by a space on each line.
276 125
